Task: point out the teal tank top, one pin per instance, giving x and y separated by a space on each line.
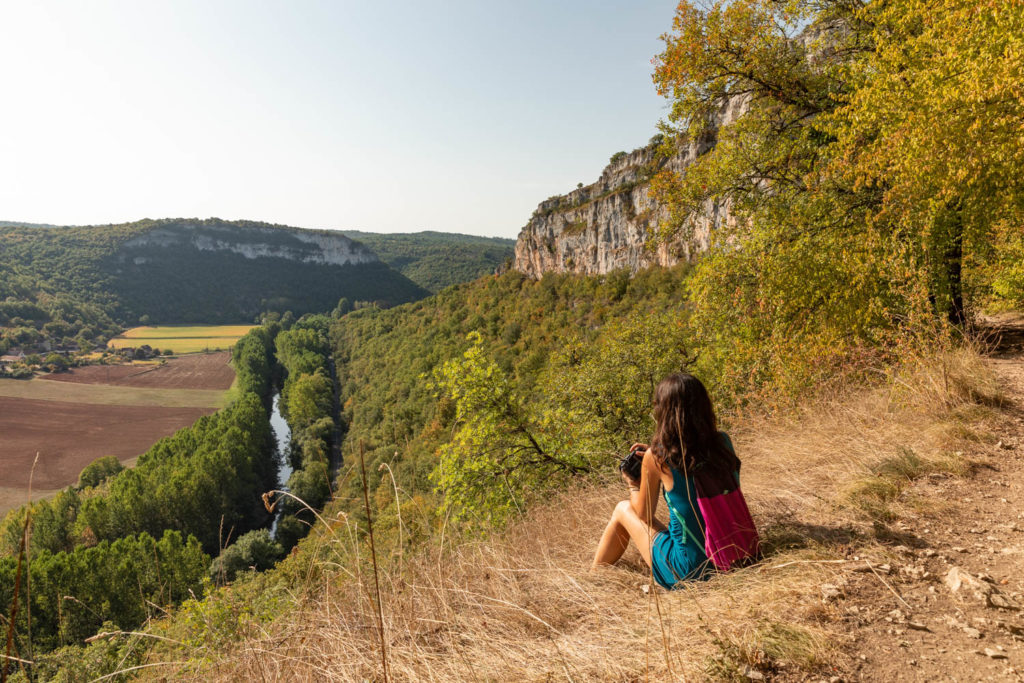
678 553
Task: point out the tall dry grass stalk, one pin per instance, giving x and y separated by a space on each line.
24 565
376 568
523 604
13 615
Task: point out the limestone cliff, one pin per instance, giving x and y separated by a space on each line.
213 270
251 240
604 226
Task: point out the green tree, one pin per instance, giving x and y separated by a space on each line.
312 485
801 281
500 447
125 582
932 124
51 527
344 307
855 227
255 549
600 390
308 397
98 471
55 362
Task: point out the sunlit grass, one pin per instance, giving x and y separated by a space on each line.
186 331
522 603
182 338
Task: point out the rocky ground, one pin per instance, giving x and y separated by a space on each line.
943 602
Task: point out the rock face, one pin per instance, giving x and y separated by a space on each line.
211 271
251 241
604 226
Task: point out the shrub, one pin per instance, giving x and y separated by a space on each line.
98 471
255 550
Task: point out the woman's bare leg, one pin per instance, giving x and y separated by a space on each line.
624 525
613 544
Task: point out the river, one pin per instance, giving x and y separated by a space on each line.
283 436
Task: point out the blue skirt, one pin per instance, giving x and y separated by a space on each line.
673 562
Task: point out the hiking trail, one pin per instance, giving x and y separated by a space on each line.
950 607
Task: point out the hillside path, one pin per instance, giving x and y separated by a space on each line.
959 575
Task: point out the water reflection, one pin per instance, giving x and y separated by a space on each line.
283 435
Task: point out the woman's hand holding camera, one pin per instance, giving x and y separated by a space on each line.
630 466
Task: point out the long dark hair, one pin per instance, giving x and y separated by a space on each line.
686 436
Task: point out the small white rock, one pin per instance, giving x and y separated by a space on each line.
751 674
830 592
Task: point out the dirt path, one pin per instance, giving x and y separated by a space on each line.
948 605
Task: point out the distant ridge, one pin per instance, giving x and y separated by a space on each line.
20 224
188 270
435 260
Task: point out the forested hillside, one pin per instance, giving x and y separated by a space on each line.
435 260
76 285
22 224
561 350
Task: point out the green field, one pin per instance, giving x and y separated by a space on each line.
105 394
181 338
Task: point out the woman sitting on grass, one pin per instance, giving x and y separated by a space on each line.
688 456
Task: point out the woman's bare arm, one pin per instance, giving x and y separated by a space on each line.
644 498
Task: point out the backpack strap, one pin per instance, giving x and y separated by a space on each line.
682 522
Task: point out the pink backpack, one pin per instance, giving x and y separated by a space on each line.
730 537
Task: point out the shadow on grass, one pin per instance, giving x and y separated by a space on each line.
781 536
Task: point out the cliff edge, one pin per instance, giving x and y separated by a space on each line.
604 226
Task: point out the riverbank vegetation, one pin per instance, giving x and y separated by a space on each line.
307 403
127 543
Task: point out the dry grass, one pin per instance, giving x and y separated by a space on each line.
524 606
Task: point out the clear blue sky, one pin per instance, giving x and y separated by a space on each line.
382 116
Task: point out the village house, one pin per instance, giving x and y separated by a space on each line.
12 356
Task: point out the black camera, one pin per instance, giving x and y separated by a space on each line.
631 463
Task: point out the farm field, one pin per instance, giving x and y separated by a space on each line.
181 338
12 497
105 395
70 419
68 436
193 371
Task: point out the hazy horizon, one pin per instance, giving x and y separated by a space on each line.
5 221
319 114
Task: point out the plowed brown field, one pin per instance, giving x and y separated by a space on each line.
197 371
72 418
68 436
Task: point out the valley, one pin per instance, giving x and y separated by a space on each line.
239 450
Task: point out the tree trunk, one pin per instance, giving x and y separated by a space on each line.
954 269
